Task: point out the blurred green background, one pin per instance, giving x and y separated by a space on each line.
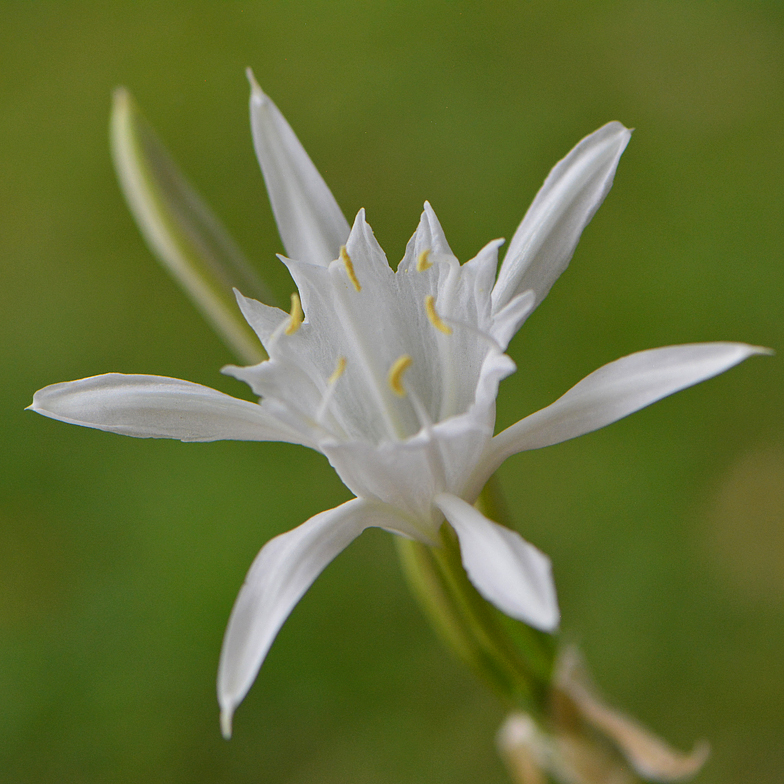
120 558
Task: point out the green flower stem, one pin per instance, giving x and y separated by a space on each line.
515 660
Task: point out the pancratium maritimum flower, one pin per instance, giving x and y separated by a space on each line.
393 376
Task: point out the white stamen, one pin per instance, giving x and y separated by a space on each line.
476 332
329 392
435 458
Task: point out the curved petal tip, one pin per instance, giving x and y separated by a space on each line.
256 91
225 718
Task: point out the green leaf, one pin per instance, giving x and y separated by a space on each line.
182 232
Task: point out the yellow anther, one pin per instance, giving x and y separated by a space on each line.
346 259
295 315
399 366
423 261
435 319
338 371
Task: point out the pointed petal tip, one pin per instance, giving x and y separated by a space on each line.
120 96
229 370
241 298
36 406
255 91
746 350
618 127
225 723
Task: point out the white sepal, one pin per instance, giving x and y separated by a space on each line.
618 389
281 573
309 219
158 407
544 242
508 571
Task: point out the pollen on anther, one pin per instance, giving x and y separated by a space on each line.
352 276
434 318
423 261
395 378
295 315
338 371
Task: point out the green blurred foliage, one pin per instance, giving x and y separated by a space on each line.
120 559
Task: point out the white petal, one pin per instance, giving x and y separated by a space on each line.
158 407
510 318
495 368
504 568
617 390
543 244
281 573
483 268
309 219
429 236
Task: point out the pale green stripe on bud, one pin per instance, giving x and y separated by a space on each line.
182 232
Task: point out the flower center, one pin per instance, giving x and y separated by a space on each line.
431 390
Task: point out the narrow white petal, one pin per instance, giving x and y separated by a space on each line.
281 573
510 318
158 407
617 390
543 244
495 368
504 568
309 219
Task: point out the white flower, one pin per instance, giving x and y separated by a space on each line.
393 376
